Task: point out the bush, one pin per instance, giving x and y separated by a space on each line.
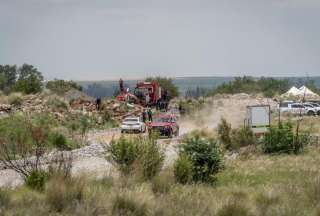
242 137
15 99
205 156
183 169
224 133
142 155
59 141
123 153
150 158
281 139
125 206
36 180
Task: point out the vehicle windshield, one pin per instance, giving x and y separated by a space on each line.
162 119
308 105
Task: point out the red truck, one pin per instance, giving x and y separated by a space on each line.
165 125
145 93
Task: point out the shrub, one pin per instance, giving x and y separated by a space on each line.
183 169
281 139
150 158
61 142
123 153
242 137
36 180
224 132
125 206
15 99
205 156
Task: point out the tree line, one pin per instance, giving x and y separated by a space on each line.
29 80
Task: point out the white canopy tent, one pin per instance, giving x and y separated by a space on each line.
302 92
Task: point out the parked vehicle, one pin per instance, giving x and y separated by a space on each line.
165 125
298 108
133 124
316 106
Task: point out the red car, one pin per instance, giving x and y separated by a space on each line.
165 124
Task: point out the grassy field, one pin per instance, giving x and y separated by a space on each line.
251 184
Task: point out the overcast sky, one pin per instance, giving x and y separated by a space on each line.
109 39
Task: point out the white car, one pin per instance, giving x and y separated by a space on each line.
133 124
316 106
298 108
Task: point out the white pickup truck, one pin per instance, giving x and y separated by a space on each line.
298 108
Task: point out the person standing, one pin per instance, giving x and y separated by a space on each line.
144 115
150 114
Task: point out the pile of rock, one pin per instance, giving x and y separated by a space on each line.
5 108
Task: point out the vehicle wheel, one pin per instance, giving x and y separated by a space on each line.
318 113
122 131
170 134
310 113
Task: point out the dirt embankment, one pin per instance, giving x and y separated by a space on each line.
230 107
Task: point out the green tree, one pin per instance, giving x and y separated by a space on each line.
29 80
62 86
8 76
166 84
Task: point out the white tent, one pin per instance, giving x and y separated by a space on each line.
293 91
307 92
302 92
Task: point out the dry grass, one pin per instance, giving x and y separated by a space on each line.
257 185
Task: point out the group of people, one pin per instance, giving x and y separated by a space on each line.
147 115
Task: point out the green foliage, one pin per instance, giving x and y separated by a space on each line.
234 139
8 76
36 180
126 206
166 84
268 86
29 80
142 154
205 156
150 158
242 137
59 141
281 139
224 133
183 169
123 152
62 86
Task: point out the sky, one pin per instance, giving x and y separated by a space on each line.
132 39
